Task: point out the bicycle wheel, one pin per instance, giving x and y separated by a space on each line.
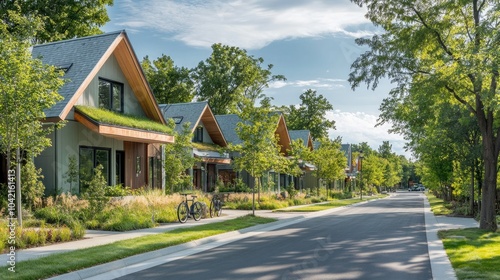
212 208
218 207
196 211
182 212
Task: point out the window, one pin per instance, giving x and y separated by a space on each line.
120 168
111 95
90 158
198 135
177 120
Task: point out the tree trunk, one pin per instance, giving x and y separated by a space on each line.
488 199
471 197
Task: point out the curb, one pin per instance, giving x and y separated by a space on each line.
440 263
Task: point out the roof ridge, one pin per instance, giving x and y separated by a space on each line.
81 38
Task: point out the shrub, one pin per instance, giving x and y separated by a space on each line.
33 188
63 234
117 190
95 193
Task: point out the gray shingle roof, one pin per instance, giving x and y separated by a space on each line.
227 124
300 134
346 149
81 54
189 112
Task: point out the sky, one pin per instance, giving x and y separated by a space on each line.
310 42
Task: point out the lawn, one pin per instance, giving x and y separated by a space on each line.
438 206
474 253
66 262
328 205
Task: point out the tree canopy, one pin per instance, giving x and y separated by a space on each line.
59 19
170 84
310 115
229 77
446 50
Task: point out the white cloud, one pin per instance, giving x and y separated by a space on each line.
313 84
358 127
250 24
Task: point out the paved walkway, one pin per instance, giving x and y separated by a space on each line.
441 267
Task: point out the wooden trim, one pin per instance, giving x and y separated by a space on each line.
81 89
284 137
132 70
215 160
212 127
123 133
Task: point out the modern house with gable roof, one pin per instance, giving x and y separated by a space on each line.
307 179
228 125
207 139
112 118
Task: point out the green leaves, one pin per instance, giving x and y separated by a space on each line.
170 84
230 77
58 19
310 115
27 88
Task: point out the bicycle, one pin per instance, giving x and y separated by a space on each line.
215 206
184 211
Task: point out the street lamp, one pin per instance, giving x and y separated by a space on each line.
361 173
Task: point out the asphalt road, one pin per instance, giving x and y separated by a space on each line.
383 239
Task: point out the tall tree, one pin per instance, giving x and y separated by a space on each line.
445 48
310 115
259 151
178 158
60 19
229 77
170 84
27 88
329 160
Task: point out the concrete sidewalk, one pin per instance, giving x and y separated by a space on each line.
441 267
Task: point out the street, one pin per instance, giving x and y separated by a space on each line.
383 239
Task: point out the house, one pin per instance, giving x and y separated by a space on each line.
228 125
111 116
207 140
307 179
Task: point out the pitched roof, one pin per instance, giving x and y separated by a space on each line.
305 135
184 113
82 58
193 113
227 124
346 149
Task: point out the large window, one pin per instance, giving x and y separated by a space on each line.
90 157
111 95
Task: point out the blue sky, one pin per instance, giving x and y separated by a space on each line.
311 43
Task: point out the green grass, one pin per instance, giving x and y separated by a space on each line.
79 259
328 205
109 117
474 253
438 206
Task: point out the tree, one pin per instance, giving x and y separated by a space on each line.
60 19
178 158
329 160
170 84
447 49
310 115
229 77
27 88
72 173
259 150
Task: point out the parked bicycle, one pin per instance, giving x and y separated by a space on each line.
216 206
185 211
